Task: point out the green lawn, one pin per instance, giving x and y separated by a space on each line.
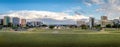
59 38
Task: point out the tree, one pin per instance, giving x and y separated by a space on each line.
51 26
73 26
84 26
98 27
119 26
116 25
14 27
18 25
44 25
10 24
108 25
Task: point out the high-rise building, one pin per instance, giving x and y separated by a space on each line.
104 18
91 22
6 20
23 22
104 21
30 24
116 21
110 22
1 21
119 18
38 23
16 21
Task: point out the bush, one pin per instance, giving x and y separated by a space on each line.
84 26
73 26
14 27
44 25
108 25
51 26
98 27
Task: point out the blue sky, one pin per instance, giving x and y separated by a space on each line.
84 7
46 5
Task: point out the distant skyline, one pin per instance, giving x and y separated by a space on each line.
87 8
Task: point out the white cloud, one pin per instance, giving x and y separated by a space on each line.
60 16
110 8
95 2
88 4
71 10
44 14
98 1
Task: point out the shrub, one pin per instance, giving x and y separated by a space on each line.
51 26
84 26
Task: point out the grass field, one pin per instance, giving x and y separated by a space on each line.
59 38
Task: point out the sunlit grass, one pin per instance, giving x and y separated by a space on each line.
59 38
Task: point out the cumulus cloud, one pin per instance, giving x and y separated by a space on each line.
110 8
45 15
72 10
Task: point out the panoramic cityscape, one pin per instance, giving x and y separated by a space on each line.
59 23
90 23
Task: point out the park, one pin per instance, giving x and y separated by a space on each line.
37 37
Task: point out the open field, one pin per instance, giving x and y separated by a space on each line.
59 38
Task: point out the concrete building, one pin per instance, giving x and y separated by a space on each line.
104 21
34 23
1 21
91 22
6 20
31 24
16 21
23 22
119 18
116 21
104 18
110 22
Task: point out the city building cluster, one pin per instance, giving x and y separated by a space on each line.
17 22
103 23
12 21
